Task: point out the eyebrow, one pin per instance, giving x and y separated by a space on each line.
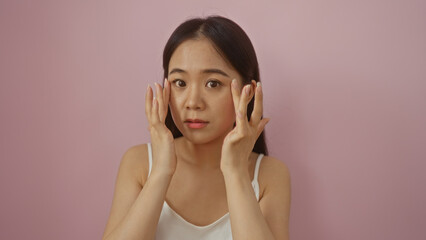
210 70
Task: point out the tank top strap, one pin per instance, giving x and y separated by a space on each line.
256 170
255 182
149 157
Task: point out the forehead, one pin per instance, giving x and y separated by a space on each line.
195 55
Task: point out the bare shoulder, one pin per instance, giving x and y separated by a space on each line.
275 200
272 168
137 158
273 172
128 184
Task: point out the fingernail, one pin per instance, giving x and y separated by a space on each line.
258 88
247 89
153 101
147 88
165 82
234 83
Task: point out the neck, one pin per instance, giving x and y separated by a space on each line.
205 156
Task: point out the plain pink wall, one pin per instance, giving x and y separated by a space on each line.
345 87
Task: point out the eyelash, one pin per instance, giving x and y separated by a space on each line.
214 81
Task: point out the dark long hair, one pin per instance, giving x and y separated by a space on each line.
232 43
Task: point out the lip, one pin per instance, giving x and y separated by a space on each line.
196 123
195 120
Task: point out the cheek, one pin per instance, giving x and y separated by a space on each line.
175 113
226 106
174 101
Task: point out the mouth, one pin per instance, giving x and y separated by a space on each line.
196 123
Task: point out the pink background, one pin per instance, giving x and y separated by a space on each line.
344 82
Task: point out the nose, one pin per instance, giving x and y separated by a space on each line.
194 100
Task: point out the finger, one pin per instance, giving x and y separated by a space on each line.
166 95
148 103
159 98
235 91
256 115
154 113
242 106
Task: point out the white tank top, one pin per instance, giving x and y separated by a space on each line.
172 226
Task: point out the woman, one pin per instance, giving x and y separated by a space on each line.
201 177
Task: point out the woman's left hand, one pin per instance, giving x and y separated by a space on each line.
239 143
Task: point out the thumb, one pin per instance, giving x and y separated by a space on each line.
262 125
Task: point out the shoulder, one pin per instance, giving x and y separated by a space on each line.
136 159
272 167
276 197
273 173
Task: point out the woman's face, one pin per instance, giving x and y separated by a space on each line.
201 102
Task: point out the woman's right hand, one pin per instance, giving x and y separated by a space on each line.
163 148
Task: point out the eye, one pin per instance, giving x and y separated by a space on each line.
179 83
213 84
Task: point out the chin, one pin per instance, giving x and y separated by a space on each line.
204 137
200 140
